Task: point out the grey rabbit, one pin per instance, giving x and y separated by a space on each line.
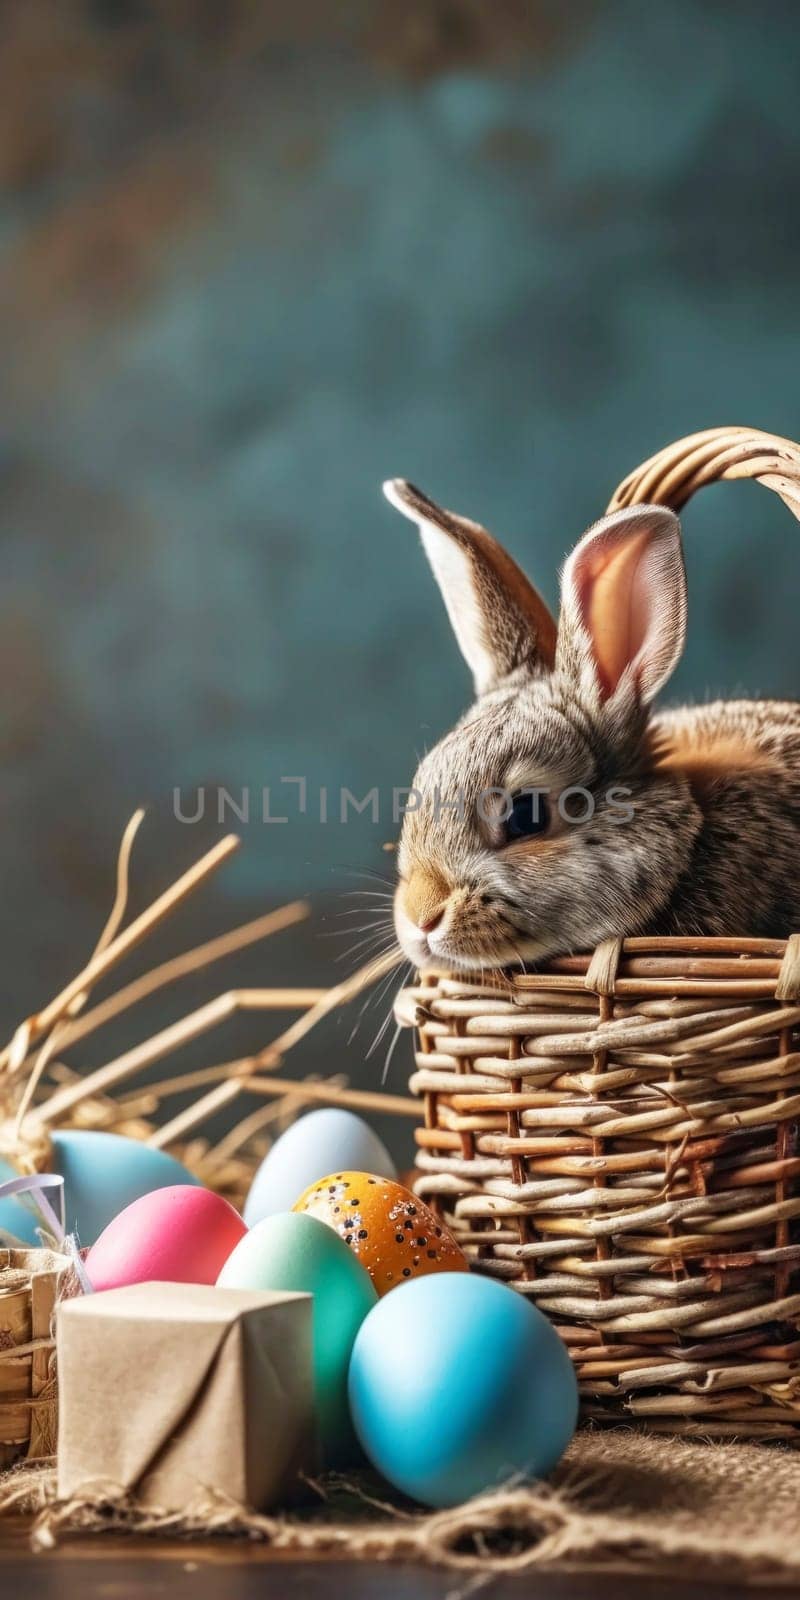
582 812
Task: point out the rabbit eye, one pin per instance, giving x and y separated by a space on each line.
529 816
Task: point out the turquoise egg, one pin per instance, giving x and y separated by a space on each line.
103 1173
297 1252
330 1140
457 1383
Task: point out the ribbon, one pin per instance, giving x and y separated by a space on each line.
36 1185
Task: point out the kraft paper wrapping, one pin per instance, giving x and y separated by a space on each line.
176 1392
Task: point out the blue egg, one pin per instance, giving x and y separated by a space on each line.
103 1173
330 1140
458 1383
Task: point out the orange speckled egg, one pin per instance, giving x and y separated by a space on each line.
394 1234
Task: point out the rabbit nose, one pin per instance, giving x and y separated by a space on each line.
432 921
423 897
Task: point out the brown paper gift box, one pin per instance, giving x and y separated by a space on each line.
169 1391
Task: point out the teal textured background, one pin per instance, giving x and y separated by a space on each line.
254 260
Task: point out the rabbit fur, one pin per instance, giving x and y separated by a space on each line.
685 821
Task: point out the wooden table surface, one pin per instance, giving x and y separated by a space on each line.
115 1568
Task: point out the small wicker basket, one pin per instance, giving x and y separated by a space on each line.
31 1281
617 1137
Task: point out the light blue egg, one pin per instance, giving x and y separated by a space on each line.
325 1141
103 1173
458 1383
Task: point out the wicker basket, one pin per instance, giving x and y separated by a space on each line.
31 1281
616 1135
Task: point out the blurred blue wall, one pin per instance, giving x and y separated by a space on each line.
257 258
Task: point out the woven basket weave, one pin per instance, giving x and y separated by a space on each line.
31 1281
617 1135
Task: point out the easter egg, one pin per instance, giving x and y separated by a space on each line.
299 1253
331 1140
457 1383
177 1235
393 1233
103 1173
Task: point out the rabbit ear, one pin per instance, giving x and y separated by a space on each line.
499 620
623 603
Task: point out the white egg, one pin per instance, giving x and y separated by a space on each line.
324 1141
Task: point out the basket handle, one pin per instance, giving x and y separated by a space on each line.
671 477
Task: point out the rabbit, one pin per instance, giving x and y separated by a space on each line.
642 822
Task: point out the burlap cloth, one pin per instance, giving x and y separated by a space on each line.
620 1500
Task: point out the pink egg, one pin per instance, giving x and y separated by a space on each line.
177 1235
